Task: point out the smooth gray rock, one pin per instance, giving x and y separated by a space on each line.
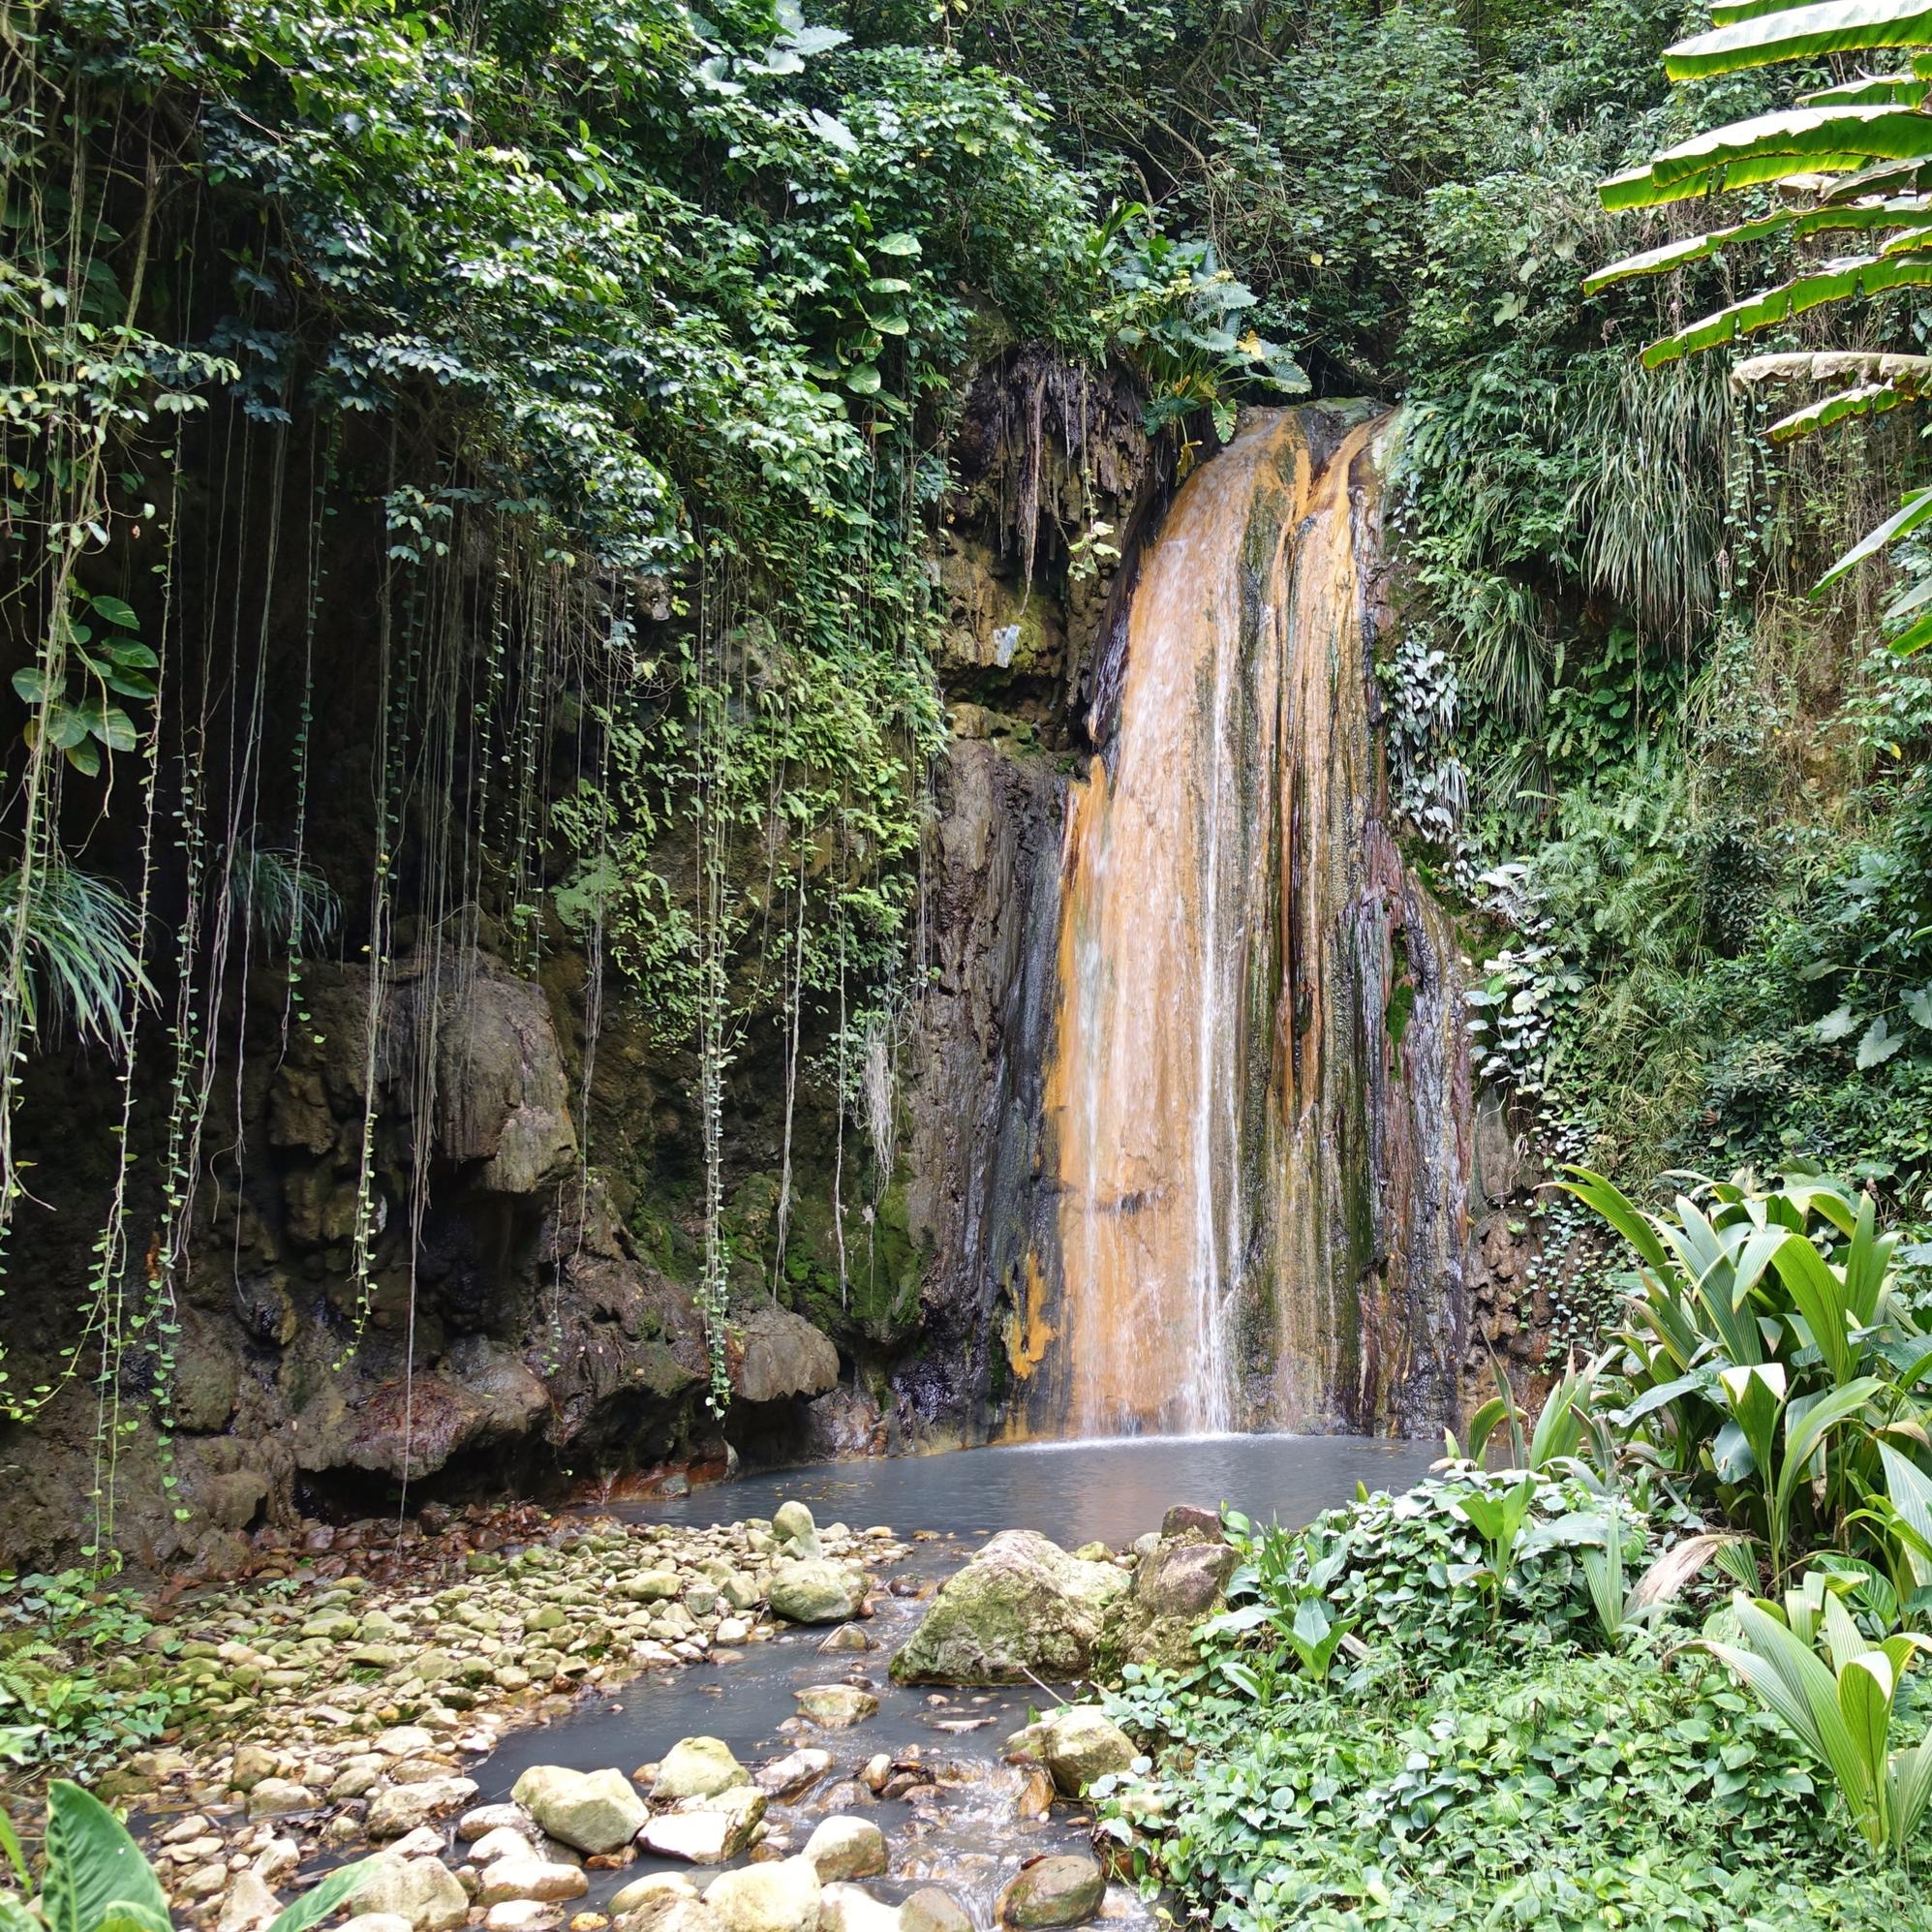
846 1847
596 1811
782 1896
697 1767
816 1592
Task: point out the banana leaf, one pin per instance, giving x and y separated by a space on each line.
1895 211
1801 33
1914 511
1836 281
1815 140
1869 90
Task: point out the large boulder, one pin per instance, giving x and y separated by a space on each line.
816 1592
1064 1889
1183 1578
1179 1581
668 1913
836 1706
1081 1743
793 1522
779 1355
788 1777
502 1098
1022 1608
481 1397
933 1909
709 1830
848 1908
844 1846
780 1896
697 1767
531 1878
423 1890
650 1892
594 1811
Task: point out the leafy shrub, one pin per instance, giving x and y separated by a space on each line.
1840 1705
1776 1370
74 1686
1407 1572
96 1879
1583 1791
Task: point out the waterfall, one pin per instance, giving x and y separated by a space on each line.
1256 1108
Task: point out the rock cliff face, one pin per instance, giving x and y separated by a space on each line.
506 1296
488 1305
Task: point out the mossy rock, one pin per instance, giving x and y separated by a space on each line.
1023 1608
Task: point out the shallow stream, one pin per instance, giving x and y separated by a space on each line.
965 1830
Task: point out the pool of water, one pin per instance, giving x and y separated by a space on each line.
1109 1491
965 1831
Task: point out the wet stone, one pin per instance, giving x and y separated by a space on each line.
836 1706
931 1909
1066 1888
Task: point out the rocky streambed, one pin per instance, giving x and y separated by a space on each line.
353 1719
767 1725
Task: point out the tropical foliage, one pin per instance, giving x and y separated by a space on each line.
1490 1700
94 1878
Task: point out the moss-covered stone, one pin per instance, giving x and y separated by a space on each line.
1023 1608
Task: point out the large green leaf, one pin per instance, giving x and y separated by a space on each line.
1621 1214
1868 1264
1807 1682
1890 211
1837 281
316 1904
1755 1398
1869 90
1916 509
1865 1688
1812 141
126 1915
92 1863
1909 1788
1820 1297
1725 13
1909 1491
1868 399
1801 33
1805 1436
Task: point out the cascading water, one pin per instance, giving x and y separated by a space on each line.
1256 1108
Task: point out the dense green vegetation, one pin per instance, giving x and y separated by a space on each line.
638 332
664 319
1516 1697
620 348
